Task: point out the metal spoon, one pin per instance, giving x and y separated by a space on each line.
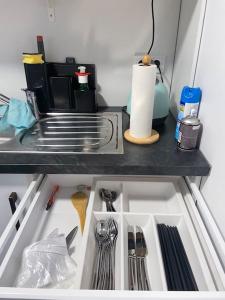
108 197
101 235
113 234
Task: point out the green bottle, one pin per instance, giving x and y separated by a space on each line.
83 79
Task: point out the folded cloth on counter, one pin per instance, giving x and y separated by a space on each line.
17 114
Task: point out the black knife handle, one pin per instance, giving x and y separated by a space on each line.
12 201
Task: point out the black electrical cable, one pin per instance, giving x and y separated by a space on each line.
153 27
157 63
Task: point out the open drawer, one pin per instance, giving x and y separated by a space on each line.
141 201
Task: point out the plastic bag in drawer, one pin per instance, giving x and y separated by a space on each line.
46 263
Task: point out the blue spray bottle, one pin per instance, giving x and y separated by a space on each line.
190 100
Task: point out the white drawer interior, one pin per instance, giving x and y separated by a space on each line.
139 203
38 224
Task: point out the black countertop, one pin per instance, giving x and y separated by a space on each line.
161 158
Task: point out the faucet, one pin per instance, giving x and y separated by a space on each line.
32 102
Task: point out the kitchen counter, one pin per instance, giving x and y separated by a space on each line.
161 158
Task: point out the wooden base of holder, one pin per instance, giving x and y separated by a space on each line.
142 141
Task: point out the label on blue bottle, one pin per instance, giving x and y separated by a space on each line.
179 118
177 130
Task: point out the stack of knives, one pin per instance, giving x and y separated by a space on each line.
137 251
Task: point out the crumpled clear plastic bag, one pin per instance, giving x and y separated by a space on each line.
46 263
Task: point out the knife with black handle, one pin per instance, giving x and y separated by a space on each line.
12 201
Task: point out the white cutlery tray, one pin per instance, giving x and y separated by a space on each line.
146 204
138 203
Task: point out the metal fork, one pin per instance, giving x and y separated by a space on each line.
113 229
104 265
141 252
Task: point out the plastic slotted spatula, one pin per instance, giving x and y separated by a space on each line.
80 202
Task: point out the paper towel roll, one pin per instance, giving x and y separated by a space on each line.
142 100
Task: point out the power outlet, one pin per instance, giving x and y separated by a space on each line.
51 14
51 11
162 60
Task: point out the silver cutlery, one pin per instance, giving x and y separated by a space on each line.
101 236
108 197
70 237
137 251
141 252
132 279
106 233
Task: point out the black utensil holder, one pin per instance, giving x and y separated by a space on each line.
56 87
85 101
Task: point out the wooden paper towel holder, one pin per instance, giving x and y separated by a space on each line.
153 138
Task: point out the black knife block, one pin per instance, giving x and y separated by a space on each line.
57 87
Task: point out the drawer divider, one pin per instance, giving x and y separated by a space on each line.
10 228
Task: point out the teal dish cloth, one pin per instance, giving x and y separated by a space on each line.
17 114
3 118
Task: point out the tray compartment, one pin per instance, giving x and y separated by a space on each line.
151 197
91 250
192 247
153 260
100 205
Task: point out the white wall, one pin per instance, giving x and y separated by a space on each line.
210 77
107 33
188 42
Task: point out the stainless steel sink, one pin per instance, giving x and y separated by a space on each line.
7 135
4 140
71 133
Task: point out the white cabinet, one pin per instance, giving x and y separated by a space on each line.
145 201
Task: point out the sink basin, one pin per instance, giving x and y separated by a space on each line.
4 140
7 135
71 133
